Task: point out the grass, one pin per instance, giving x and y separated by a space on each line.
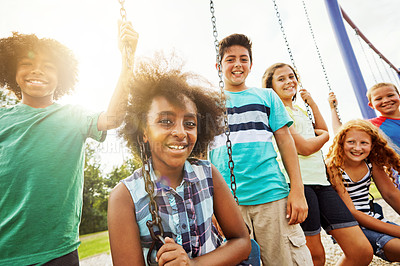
374 191
93 244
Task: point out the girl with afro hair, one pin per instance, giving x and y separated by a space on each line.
170 122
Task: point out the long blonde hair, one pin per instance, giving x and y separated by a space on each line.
381 154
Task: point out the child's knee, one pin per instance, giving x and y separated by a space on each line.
363 253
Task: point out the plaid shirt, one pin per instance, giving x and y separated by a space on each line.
186 212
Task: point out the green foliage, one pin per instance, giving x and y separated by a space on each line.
93 244
97 187
123 171
7 99
94 212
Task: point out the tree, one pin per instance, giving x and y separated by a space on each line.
7 99
94 211
97 189
123 171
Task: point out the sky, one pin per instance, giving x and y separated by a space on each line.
89 29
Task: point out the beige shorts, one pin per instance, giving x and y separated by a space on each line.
280 243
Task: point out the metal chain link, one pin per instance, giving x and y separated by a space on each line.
395 76
122 10
278 15
365 55
153 207
231 164
127 48
376 64
320 57
149 185
384 65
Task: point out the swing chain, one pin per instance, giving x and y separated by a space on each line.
216 45
122 10
320 57
127 48
153 207
278 15
231 164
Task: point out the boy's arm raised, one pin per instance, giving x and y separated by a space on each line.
115 113
297 208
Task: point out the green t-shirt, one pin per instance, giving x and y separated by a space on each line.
41 180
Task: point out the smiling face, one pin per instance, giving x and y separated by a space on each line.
357 145
171 132
37 77
284 83
236 66
386 100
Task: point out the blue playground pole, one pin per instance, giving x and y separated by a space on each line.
349 58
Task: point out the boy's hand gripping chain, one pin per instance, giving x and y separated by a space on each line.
127 48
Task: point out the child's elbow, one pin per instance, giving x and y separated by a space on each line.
246 249
305 151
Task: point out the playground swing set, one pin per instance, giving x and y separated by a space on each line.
158 236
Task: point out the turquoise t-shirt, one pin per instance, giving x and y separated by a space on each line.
253 115
41 180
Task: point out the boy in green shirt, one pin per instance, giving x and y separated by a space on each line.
42 147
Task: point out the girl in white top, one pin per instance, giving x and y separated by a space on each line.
325 208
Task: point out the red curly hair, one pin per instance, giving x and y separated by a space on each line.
381 154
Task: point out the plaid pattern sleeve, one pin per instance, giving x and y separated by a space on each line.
186 212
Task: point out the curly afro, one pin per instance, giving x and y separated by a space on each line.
19 45
164 77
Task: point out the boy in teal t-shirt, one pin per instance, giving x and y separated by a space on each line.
42 147
256 115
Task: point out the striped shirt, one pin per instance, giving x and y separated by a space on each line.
254 115
359 192
186 212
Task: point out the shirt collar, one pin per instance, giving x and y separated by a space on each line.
189 176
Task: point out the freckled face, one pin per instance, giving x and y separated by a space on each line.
37 77
284 83
171 132
357 145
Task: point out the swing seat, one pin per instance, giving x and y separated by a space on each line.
254 257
